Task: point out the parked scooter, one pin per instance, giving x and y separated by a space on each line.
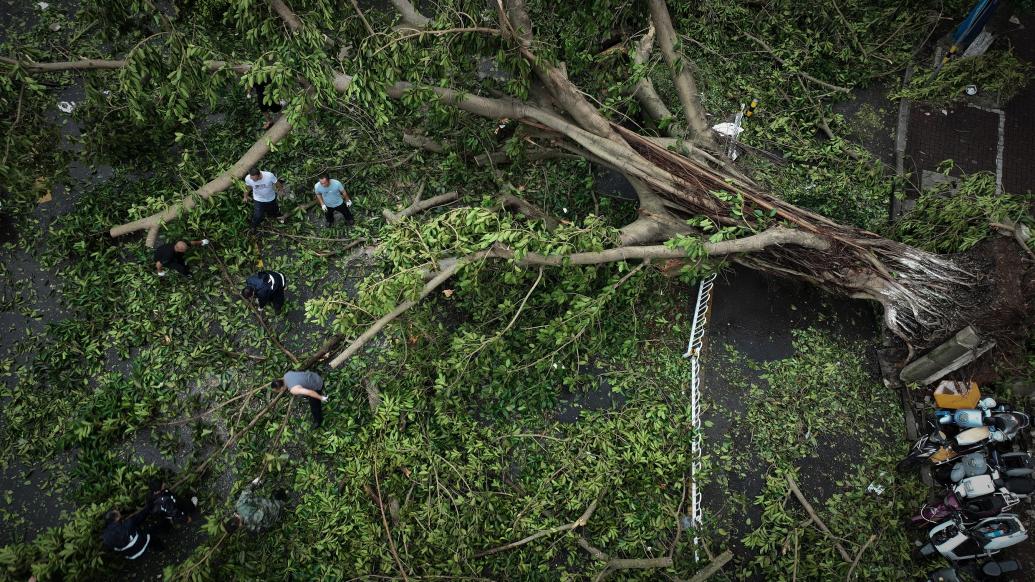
1018 464
991 570
957 541
981 416
938 448
969 510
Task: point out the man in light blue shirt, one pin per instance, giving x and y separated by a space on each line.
332 197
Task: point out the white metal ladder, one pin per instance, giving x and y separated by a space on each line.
693 351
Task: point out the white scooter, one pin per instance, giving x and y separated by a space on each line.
956 541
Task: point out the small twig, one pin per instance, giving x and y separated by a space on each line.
855 562
211 410
14 124
307 237
388 531
581 521
783 63
276 440
229 442
815 518
362 17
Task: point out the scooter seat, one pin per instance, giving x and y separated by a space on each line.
1020 485
998 568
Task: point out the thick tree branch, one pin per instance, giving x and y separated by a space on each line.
524 207
410 15
439 278
631 564
686 88
108 65
448 267
515 20
419 206
285 13
715 565
259 149
644 92
775 236
423 142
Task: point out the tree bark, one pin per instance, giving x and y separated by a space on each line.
420 206
686 88
287 15
410 15
108 65
644 91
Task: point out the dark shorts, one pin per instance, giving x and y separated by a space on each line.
272 108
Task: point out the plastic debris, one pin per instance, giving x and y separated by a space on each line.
728 129
875 488
54 27
970 90
66 106
43 5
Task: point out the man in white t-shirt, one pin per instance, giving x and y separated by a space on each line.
264 187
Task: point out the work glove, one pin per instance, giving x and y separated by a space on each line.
204 242
323 207
348 203
323 399
161 273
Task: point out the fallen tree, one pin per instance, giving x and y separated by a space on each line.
924 296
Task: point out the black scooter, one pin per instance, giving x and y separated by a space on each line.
993 570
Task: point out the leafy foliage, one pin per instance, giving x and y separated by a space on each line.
953 217
819 417
998 73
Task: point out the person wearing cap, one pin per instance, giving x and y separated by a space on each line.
332 197
174 256
264 187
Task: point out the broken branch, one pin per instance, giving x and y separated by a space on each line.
419 206
581 521
815 518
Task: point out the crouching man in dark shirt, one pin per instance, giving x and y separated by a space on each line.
125 536
266 286
173 256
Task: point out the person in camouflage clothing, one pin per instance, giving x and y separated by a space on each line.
254 512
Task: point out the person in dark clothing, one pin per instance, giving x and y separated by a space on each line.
268 287
167 505
269 110
308 384
173 256
124 534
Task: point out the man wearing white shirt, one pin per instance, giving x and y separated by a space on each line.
264 187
